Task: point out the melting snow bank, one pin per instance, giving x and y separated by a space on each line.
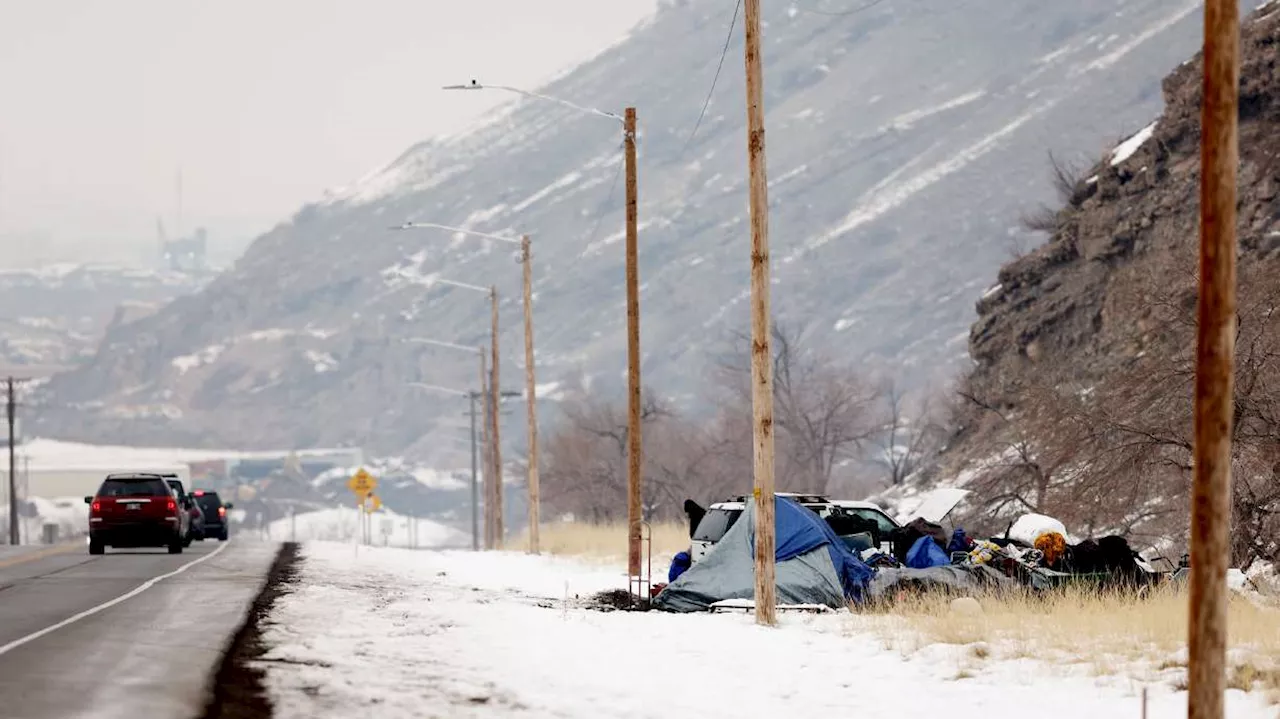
397 633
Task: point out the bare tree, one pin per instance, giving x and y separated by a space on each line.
911 433
823 410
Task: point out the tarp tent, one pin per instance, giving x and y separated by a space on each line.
813 565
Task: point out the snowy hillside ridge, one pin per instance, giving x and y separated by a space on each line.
504 634
891 207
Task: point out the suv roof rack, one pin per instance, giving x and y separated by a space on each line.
799 498
135 475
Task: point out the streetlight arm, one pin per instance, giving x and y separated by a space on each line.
463 285
473 233
440 343
592 111
422 385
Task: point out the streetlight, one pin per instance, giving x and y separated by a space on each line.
472 396
530 380
492 475
628 121
495 450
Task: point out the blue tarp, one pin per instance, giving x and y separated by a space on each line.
926 553
800 530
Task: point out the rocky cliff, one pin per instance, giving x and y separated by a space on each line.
1079 401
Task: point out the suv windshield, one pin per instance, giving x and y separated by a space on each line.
133 487
715 524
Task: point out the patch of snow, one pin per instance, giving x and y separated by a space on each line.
550 391
906 120
42 323
1126 149
1118 54
322 361
52 454
340 524
796 172
206 356
992 291
437 479
888 194
563 182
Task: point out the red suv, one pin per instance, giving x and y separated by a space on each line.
136 510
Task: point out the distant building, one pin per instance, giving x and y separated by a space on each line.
186 254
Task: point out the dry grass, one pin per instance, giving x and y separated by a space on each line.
1115 633
605 541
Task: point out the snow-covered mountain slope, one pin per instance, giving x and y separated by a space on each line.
904 142
53 316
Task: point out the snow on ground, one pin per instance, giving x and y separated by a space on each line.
70 514
397 633
338 524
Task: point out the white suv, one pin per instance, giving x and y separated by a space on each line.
722 515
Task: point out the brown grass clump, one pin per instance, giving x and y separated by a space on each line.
605 541
1114 632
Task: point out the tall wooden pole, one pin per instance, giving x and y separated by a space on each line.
634 445
475 491
761 354
1215 363
11 407
531 396
498 534
487 406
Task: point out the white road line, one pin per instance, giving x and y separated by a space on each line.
107 605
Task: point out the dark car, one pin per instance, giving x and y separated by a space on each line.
195 519
136 510
215 513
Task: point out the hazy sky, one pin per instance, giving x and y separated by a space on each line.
262 103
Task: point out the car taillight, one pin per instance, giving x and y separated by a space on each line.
95 507
172 505
222 511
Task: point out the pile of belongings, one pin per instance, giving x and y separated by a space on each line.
1033 552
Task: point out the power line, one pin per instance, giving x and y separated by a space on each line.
720 66
604 208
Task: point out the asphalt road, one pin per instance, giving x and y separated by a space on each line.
148 652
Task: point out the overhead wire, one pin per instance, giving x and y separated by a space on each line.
728 40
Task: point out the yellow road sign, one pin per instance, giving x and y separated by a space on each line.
362 483
373 504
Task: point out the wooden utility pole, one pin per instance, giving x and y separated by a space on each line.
531 395
475 491
487 406
761 354
498 534
12 412
634 446
1215 363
